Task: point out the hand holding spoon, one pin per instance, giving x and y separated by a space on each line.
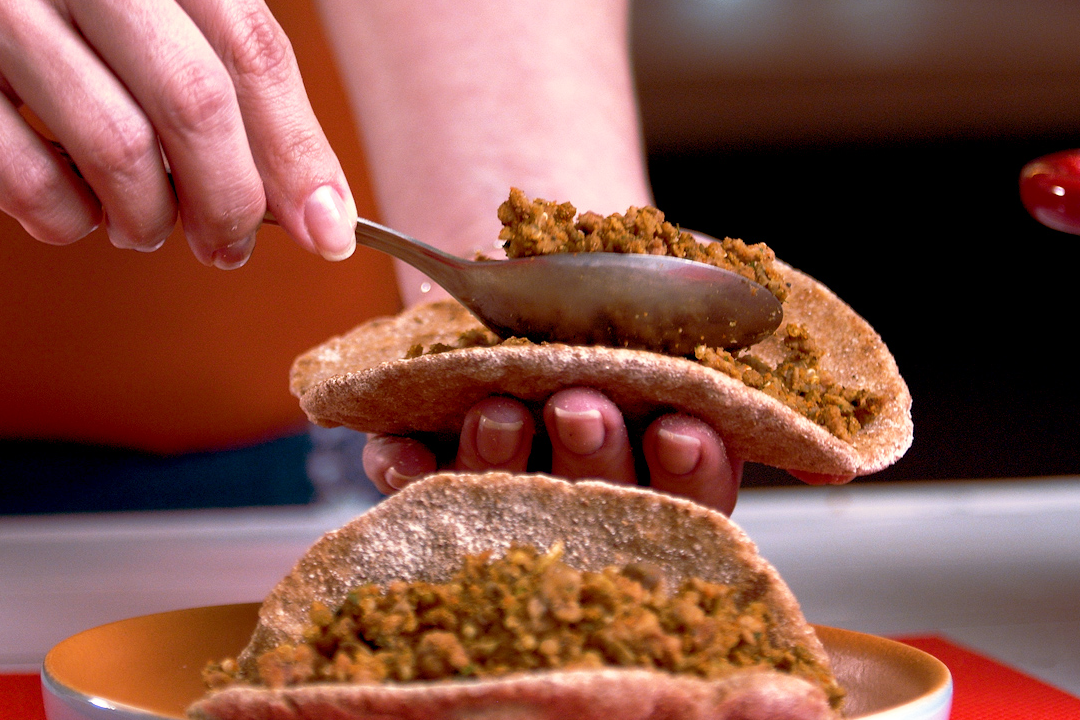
652 302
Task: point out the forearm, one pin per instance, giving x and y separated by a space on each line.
460 100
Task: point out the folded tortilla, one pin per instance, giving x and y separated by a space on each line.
423 533
362 381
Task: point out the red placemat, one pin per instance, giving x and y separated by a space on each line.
20 697
984 689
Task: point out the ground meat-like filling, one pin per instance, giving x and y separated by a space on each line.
529 610
798 382
478 337
540 227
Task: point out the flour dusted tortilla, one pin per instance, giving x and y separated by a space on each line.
423 532
363 380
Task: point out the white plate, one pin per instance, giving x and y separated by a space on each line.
148 668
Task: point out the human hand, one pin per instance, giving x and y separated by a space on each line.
210 84
589 439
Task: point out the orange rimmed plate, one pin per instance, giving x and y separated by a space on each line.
148 668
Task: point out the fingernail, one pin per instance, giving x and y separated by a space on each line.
581 432
150 248
329 222
497 440
235 255
90 230
678 454
118 238
398 480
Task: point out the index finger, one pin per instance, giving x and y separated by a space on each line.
305 186
182 86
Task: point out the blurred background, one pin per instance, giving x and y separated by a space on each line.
876 145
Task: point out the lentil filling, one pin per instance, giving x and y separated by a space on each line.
540 227
529 610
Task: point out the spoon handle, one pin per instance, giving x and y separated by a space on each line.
444 268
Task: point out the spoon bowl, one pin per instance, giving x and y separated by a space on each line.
650 302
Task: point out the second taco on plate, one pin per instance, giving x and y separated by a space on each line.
514 596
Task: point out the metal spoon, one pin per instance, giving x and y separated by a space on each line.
652 302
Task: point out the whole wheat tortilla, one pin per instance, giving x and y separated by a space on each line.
423 532
360 380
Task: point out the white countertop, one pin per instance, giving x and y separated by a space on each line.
992 565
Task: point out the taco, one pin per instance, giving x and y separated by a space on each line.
822 395
771 663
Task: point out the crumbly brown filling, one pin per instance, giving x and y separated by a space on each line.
541 227
798 382
477 337
529 610
538 227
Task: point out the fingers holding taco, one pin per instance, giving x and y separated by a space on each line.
588 439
